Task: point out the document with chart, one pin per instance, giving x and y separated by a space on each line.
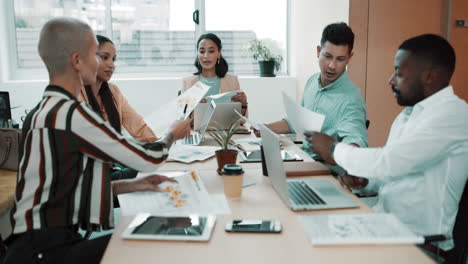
187 196
179 108
341 229
302 119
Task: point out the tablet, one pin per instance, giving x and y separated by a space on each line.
186 228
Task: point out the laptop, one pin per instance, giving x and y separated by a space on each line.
5 109
222 118
300 194
197 137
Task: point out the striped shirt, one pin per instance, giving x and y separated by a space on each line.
64 178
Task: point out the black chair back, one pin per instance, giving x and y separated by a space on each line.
460 232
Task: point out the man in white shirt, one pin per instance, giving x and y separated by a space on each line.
421 171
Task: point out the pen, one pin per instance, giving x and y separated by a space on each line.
185 111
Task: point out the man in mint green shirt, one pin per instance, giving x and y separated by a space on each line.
332 93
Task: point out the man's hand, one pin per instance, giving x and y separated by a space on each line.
353 182
148 183
180 128
322 145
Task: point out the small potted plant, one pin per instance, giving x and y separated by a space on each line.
228 152
266 60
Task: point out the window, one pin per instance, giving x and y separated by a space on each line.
157 37
239 21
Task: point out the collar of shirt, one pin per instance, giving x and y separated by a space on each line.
337 82
57 91
429 101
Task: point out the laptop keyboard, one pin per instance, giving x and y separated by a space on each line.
192 139
301 193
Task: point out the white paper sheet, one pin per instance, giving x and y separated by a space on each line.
302 119
248 121
161 119
188 196
249 144
357 229
224 97
189 153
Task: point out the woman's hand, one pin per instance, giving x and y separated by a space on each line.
181 128
240 97
148 183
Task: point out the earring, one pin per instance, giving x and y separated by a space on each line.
218 60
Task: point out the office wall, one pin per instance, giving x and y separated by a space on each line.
389 22
459 39
146 95
307 20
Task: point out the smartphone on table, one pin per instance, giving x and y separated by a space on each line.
254 226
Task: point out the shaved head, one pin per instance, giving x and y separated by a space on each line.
59 39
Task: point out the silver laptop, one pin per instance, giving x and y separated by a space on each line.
197 137
300 194
222 118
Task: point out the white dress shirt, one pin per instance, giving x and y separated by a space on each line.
421 171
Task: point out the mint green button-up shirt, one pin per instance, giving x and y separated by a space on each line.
343 106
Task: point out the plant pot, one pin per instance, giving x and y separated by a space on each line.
267 68
224 157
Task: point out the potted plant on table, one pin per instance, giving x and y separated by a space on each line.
266 60
228 152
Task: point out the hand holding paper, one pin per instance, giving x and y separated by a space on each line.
302 119
160 120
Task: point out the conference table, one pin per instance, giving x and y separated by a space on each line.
258 201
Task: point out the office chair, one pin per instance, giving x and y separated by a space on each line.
459 253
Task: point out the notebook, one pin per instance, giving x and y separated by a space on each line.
197 137
222 118
300 194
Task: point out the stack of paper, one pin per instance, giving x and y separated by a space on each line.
357 229
187 196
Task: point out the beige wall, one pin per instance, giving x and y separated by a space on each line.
389 22
459 39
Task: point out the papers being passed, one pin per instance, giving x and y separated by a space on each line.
302 119
187 196
248 121
357 229
224 97
161 119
